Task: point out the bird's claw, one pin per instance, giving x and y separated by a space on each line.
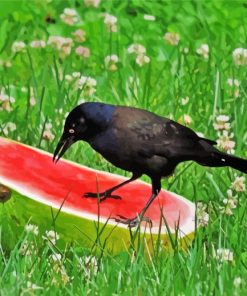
101 196
133 222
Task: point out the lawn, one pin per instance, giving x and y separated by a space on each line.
185 60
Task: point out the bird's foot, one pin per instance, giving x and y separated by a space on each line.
101 196
133 222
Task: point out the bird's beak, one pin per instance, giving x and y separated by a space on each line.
63 145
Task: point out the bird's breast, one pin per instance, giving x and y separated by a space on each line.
119 152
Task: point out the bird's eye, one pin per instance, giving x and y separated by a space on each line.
71 131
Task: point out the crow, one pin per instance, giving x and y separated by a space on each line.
140 142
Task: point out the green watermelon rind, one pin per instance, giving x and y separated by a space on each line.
20 210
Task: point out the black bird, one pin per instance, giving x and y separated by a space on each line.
140 142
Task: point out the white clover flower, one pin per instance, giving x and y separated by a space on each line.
83 51
142 59
79 35
69 16
24 247
68 77
48 125
239 184
18 46
137 49
59 41
88 81
76 74
56 257
203 51
59 272
48 135
88 265
111 61
94 3
9 127
5 98
202 215
32 101
51 236
224 255
111 58
222 118
225 142
187 119
31 228
61 44
226 210
185 101
149 17
240 56
58 269
233 82
172 38
6 101
6 106
91 263
64 276
111 22
5 64
237 281
222 123
28 249
87 84
66 48
230 203
37 44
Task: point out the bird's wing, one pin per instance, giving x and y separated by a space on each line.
155 135
147 130
162 129
168 139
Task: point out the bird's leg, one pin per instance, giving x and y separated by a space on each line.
108 193
156 187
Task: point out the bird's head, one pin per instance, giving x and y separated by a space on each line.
83 123
75 128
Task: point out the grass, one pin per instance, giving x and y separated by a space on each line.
158 86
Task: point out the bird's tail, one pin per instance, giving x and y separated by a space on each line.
221 159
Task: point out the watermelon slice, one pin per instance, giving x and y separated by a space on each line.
42 190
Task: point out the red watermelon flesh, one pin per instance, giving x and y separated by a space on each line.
32 172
